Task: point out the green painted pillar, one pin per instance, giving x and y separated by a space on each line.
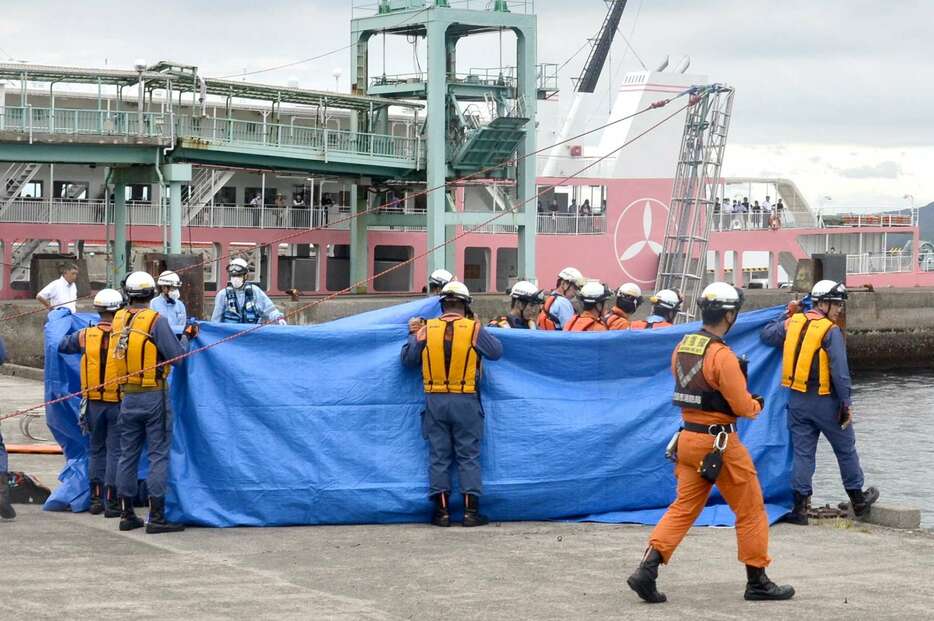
526 170
359 241
175 217
119 254
436 159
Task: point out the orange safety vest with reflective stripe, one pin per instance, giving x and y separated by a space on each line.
804 337
95 371
450 360
585 323
132 350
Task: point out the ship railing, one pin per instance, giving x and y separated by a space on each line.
546 77
860 220
752 221
879 263
368 8
321 140
571 224
36 120
271 217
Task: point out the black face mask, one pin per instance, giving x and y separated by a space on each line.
627 304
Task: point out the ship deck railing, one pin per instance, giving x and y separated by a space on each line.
752 221
368 8
888 262
316 142
229 215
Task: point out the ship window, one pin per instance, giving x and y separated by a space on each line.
337 277
476 268
33 189
388 257
71 190
507 268
137 192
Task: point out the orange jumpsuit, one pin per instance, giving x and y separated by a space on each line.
587 321
738 481
617 319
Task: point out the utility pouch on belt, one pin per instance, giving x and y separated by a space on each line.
712 463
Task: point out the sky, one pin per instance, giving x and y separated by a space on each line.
834 94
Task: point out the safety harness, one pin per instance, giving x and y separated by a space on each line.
450 360
233 313
95 343
804 337
132 352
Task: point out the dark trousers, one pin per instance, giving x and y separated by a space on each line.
104 420
453 426
144 418
809 416
4 460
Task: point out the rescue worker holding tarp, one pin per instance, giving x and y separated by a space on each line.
141 340
7 512
527 300
710 388
593 297
449 350
438 279
168 303
558 310
100 402
628 299
665 306
242 301
814 367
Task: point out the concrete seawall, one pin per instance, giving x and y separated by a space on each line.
887 329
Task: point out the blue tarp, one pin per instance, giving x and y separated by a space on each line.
321 424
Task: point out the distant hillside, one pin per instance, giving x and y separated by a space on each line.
926 218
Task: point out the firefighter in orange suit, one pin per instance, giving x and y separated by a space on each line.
628 299
449 350
593 297
710 388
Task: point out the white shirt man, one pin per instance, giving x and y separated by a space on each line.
61 293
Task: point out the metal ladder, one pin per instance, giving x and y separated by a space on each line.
205 184
22 256
13 180
683 260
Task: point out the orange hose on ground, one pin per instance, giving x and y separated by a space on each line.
34 449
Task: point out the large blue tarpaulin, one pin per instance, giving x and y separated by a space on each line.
321 424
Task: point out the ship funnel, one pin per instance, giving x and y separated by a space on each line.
663 66
684 65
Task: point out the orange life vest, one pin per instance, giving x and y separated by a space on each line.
585 323
98 379
616 319
547 321
642 325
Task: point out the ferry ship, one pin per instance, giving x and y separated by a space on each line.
605 215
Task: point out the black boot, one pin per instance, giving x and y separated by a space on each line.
128 518
7 512
760 588
97 505
642 581
861 501
472 516
442 516
799 515
112 506
157 523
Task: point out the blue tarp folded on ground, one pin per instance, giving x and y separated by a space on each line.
321 425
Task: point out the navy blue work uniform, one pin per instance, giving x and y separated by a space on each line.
453 423
811 414
4 460
146 417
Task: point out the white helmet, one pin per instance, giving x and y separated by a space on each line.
720 295
828 291
139 285
524 291
109 300
594 292
573 275
238 267
440 277
667 299
456 291
169 278
631 289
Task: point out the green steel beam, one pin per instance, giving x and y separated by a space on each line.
119 254
99 154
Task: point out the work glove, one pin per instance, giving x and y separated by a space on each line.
793 307
760 400
415 324
845 417
191 330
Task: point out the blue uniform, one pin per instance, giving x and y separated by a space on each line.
562 310
104 422
4 460
811 414
265 309
146 417
453 423
173 310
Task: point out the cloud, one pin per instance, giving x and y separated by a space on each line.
883 170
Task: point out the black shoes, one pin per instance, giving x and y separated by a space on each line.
861 501
472 516
799 515
157 522
112 505
97 504
642 581
442 516
128 518
7 512
759 588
